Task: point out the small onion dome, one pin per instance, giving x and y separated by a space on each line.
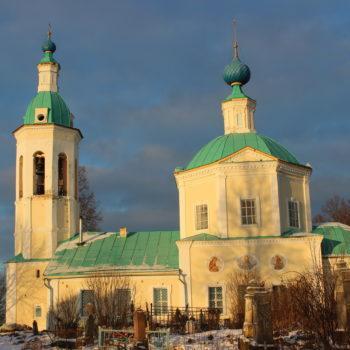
236 72
48 46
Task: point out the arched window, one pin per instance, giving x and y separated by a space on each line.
39 173
20 177
62 174
76 179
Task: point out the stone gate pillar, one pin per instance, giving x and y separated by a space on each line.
257 325
342 297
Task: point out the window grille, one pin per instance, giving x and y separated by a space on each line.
124 297
201 217
37 311
160 301
293 211
87 296
248 212
216 298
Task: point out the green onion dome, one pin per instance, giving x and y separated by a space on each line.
48 45
58 112
223 146
236 72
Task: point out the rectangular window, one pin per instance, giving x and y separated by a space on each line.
293 212
76 179
201 217
160 301
248 211
216 298
87 296
37 311
124 297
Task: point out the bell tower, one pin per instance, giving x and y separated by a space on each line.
46 206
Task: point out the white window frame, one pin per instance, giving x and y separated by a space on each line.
257 210
168 299
195 217
223 287
292 200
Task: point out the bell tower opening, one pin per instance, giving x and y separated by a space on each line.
39 173
62 174
20 177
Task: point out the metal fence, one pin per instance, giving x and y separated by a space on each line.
183 320
110 339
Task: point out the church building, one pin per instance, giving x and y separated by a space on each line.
244 205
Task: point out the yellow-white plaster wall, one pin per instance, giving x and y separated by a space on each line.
244 175
43 220
300 254
24 292
141 286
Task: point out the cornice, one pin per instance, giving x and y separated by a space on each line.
229 168
253 242
292 169
48 128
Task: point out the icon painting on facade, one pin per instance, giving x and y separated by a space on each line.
278 262
247 262
215 264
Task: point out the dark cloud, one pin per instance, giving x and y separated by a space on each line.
144 82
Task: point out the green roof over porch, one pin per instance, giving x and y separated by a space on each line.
141 251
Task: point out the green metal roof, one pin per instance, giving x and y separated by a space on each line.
236 72
141 251
225 145
236 92
336 239
48 45
48 57
58 112
202 237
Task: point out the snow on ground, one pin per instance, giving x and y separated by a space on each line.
222 339
17 340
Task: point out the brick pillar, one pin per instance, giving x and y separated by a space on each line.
139 325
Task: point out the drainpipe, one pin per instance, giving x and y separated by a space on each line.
183 281
47 284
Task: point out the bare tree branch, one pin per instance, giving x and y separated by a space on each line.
335 209
89 207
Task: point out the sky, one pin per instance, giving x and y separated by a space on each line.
144 82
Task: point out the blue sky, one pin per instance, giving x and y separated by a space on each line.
144 81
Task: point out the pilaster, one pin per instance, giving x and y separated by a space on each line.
222 205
